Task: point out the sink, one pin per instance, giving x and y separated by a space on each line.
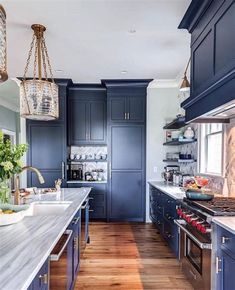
47 208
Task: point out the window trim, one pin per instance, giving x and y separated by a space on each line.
202 150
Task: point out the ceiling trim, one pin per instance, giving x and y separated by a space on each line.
163 84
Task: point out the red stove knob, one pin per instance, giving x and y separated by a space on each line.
188 219
179 211
194 223
199 227
203 229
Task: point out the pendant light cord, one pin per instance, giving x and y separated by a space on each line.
185 72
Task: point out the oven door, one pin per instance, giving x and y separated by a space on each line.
195 258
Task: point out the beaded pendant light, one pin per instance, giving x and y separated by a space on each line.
3 46
39 97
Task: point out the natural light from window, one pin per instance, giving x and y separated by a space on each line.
211 149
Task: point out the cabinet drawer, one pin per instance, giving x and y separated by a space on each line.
97 212
97 198
226 240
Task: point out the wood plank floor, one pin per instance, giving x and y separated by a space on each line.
125 256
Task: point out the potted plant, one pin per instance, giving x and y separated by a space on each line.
10 164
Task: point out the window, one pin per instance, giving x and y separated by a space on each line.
211 150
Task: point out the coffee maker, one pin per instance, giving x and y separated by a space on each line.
76 172
169 172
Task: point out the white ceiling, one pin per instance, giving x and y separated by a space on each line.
90 40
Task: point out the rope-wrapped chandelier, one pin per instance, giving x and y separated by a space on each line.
39 96
3 46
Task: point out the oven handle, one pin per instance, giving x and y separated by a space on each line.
181 224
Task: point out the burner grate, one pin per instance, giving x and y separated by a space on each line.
217 206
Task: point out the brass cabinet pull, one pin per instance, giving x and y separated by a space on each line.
62 170
75 243
91 210
76 220
217 268
43 279
224 240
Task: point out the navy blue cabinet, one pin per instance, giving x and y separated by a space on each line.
47 144
162 213
126 101
127 167
87 121
75 226
211 24
41 280
97 199
127 108
225 260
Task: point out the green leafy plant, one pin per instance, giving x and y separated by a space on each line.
10 162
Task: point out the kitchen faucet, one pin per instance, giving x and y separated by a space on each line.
17 182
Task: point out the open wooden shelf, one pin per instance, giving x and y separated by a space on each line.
177 142
176 123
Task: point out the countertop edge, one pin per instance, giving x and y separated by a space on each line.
218 221
161 187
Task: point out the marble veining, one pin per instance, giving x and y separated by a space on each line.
24 247
227 223
171 190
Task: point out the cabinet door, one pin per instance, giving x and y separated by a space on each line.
228 279
41 281
127 147
47 152
97 122
78 121
75 226
136 109
117 108
126 200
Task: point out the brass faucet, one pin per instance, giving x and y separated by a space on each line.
17 182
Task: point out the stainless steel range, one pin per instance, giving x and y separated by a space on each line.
194 223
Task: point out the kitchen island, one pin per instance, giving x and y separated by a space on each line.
24 247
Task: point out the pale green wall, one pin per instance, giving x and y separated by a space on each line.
9 120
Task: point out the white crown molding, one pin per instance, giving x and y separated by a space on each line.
163 84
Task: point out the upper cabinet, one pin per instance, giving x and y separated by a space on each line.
87 115
126 100
211 24
127 108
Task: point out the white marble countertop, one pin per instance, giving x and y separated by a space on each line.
173 191
225 222
24 247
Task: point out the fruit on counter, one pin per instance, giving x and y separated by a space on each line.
196 182
201 181
6 211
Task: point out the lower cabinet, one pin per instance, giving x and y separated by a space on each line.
65 257
97 200
225 260
61 272
41 281
162 213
